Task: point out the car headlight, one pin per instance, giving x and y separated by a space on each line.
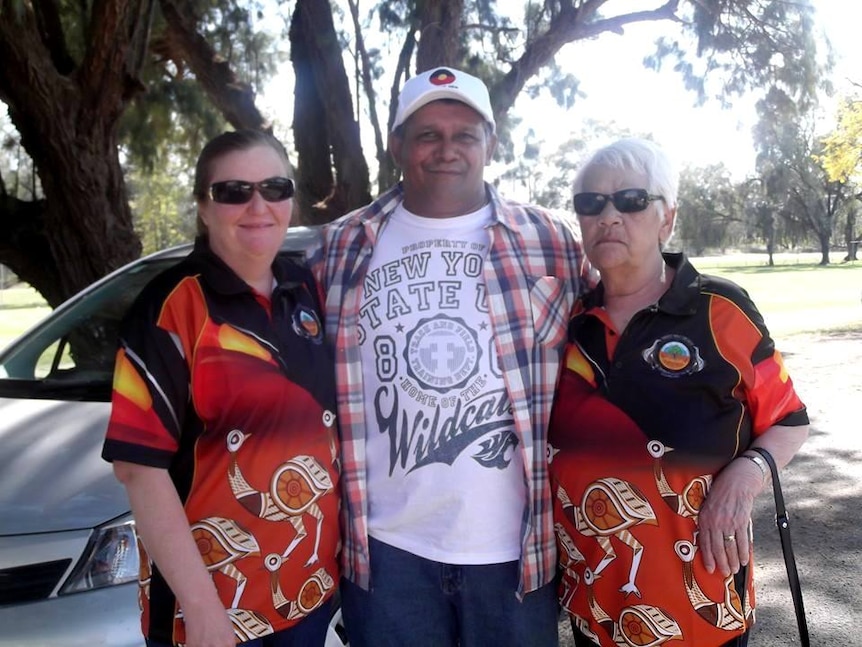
110 558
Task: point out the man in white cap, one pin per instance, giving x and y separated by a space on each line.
448 309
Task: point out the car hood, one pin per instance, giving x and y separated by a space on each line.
52 476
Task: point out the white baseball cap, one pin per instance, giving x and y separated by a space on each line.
443 83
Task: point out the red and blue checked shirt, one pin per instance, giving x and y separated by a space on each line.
534 270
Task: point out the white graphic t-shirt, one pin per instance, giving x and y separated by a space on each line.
445 472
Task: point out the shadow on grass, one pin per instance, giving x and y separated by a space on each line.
850 332
822 488
790 269
822 501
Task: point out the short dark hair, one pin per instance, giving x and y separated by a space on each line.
229 142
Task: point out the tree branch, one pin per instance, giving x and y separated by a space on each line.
568 24
27 74
439 42
233 97
388 173
24 248
368 85
48 20
108 77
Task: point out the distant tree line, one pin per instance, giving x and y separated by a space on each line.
804 195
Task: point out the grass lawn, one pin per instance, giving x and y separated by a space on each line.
796 296
20 308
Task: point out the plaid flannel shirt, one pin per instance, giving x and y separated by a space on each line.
534 270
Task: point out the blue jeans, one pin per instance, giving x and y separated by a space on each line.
421 603
311 632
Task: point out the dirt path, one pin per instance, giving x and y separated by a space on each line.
823 491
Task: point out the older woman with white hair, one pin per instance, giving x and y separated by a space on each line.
670 380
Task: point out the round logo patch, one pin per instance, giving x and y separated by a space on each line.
674 356
307 324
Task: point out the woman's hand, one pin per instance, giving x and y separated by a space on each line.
208 626
165 532
724 522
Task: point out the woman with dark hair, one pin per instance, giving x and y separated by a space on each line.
670 384
222 426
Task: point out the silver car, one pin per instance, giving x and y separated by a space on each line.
68 556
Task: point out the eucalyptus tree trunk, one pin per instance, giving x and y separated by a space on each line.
440 34
66 114
850 237
823 238
332 174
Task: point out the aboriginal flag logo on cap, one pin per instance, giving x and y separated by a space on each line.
442 77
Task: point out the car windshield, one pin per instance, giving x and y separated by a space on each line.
72 351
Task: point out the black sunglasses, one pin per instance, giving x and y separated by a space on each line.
274 189
625 201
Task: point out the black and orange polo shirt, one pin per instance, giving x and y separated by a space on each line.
642 422
233 394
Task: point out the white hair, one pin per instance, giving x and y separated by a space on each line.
640 156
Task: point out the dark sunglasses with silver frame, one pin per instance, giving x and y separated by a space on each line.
625 201
273 189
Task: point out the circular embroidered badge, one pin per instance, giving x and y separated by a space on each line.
307 324
673 356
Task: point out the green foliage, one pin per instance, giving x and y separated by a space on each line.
710 213
744 45
162 204
552 182
394 15
798 191
546 179
237 33
174 116
12 10
842 154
